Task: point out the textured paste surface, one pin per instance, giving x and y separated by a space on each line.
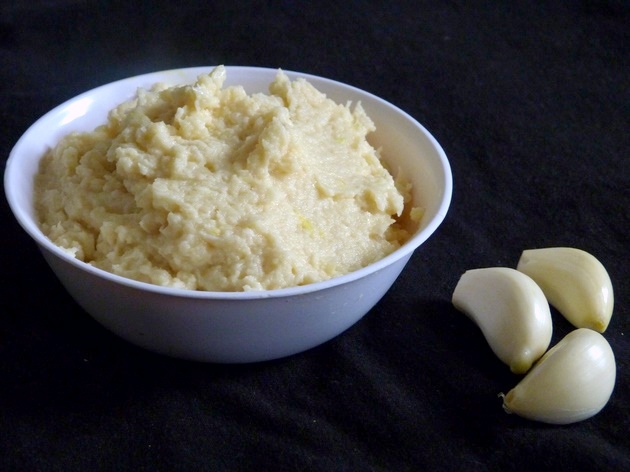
205 187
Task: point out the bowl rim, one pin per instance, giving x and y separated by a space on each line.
44 243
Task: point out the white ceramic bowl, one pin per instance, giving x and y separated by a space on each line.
231 327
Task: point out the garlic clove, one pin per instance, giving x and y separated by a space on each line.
511 311
574 282
573 381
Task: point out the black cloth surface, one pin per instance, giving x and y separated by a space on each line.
530 102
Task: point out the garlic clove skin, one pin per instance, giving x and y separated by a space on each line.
574 282
511 311
572 382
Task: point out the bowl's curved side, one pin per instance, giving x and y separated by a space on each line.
223 330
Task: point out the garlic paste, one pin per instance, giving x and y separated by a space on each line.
205 187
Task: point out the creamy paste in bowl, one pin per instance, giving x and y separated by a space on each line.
206 187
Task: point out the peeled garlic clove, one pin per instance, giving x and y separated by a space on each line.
574 282
571 382
511 311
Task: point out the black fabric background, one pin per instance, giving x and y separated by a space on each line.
530 101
